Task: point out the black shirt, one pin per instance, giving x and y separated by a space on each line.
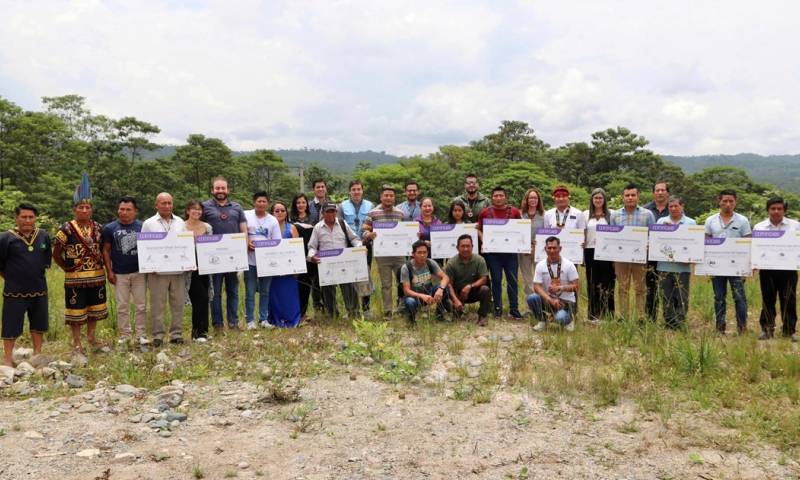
24 267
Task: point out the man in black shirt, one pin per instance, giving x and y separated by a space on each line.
24 256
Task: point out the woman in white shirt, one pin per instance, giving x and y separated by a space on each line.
600 277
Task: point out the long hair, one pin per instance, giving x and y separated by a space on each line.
606 213
456 203
189 205
294 213
523 206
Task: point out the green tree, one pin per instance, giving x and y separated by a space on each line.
201 159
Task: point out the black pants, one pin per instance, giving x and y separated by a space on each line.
349 295
651 281
600 280
316 293
365 300
778 285
198 294
482 295
675 295
306 285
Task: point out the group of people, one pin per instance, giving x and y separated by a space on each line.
92 255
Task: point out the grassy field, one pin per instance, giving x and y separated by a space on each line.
738 383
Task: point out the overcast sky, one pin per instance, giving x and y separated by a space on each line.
694 77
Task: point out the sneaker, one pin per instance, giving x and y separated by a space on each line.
123 342
176 341
764 336
143 340
251 325
794 338
540 326
157 342
266 324
570 327
497 313
200 340
515 314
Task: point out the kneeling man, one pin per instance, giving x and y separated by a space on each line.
555 286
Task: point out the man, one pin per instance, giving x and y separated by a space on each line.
469 280
780 285
563 215
630 276
410 207
328 234
76 249
260 226
674 276
658 207
320 198
166 285
502 262
388 267
416 276
122 270
728 224
354 211
555 283
24 256
472 198
224 216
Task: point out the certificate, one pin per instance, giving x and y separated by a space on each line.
445 236
676 243
571 243
726 257
621 243
506 235
222 253
776 249
394 239
343 265
280 257
162 252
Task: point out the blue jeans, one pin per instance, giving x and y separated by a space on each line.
412 304
499 263
251 279
232 302
537 306
720 285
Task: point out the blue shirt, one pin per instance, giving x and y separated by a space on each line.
641 217
223 218
737 227
676 267
410 212
122 238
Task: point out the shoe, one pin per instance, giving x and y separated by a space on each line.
515 314
482 322
157 342
251 325
123 342
794 338
570 327
498 312
765 335
200 340
143 340
176 341
266 324
540 326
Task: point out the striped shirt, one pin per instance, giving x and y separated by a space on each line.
641 217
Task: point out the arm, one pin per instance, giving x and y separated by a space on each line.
546 296
313 244
57 250
107 260
352 235
295 234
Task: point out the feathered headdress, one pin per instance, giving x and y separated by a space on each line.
83 192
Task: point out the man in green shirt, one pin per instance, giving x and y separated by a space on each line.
469 280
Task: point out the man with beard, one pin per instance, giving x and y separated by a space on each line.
472 198
410 207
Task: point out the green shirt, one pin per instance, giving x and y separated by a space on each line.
461 273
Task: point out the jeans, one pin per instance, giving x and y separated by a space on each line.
251 279
499 263
412 304
562 316
720 285
232 302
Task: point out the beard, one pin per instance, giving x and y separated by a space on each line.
221 196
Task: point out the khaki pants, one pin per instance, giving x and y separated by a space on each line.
128 284
526 266
630 276
388 269
163 287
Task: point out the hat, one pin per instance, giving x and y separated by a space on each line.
83 192
560 188
329 206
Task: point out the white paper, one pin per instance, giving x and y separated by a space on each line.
676 243
776 249
162 252
343 265
505 235
394 239
280 257
571 243
444 238
222 253
618 243
726 257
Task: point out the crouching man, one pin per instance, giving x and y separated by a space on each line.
555 285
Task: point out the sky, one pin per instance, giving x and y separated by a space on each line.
405 77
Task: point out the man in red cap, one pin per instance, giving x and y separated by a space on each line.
562 215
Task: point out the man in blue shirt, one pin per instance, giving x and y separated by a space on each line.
658 207
410 207
674 276
354 211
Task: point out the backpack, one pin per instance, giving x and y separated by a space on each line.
409 266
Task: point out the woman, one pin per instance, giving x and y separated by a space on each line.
600 276
426 218
284 298
197 285
301 218
532 208
456 213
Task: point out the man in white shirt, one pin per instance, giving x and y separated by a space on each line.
166 284
780 285
555 286
260 226
563 215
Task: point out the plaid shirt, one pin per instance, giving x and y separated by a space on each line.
641 217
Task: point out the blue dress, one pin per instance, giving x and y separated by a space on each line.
284 296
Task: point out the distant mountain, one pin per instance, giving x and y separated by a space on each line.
782 171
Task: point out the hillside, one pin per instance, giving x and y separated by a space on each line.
782 171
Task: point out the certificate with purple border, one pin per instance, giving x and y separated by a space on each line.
776 249
222 253
284 256
506 235
618 243
571 243
726 257
162 252
676 243
444 238
394 239
342 265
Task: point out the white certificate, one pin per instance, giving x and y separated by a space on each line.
222 253
394 239
726 257
618 243
280 257
676 243
571 243
776 249
342 265
165 253
445 236
506 235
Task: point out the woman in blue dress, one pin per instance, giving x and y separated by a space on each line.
284 296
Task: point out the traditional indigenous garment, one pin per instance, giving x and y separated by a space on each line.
284 300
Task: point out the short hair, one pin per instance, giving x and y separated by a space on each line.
631 186
259 194
386 187
498 189
411 182
464 236
660 182
470 175
552 238
777 200
316 181
127 199
25 206
219 178
727 191
189 205
675 198
354 183
419 243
